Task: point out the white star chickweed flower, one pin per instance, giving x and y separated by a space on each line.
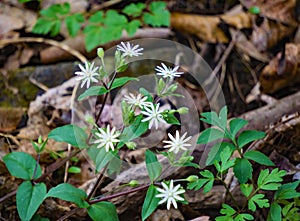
153 114
130 50
166 72
87 74
176 143
107 138
138 100
170 194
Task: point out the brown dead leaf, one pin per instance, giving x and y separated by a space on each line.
269 33
13 18
207 27
282 11
281 72
10 118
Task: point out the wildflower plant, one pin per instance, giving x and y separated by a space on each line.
141 112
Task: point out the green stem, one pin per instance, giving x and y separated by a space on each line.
229 193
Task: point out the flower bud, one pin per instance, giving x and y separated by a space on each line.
183 110
131 145
40 140
133 183
100 53
192 178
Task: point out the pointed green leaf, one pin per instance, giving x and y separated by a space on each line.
135 130
242 170
248 136
258 157
154 167
104 211
92 91
21 165
209 135
214 154
236 125
29 198
100 157
69 193
287 191
223 117
118 82
150 202
275 212
70 134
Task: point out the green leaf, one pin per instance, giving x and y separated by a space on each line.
258 157
21 165
95 35
134 10
291 212
287 191
207 182
254 10
159 16
243 217
259 200
248 136
132 27
227 210
236 125
154 168
209 135
133 131
73 23
170 118
150 202
93 91
105 211
225 159
51 19
74 169
98 17
242 170
70 134
270 181
210 118
223 117
69 193
275 212
246 189
29 198
43 26
100 157
214 154
118 82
